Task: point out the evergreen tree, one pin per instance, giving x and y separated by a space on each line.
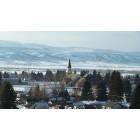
116 86
49 76
107 78
60 75
6 75
83 73
40 76
16 74
24 75
137 79
86 91
99 77
136 100
101 92
33 76
7 96
94 77
64 94
0 78
95 73
127 87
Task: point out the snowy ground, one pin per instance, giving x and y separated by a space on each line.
87 65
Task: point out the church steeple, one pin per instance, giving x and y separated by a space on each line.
69 66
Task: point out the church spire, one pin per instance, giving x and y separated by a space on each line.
69 66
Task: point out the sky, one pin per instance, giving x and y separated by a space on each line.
115 40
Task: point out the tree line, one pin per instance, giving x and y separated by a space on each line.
111 86
49 75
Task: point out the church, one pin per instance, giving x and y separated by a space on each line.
69 67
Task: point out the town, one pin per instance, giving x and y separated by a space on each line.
69 89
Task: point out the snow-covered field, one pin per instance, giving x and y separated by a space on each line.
80 65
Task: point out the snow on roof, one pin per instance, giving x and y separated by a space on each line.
82 103
113 104
21 88
21 107
93 102
40 105
125 104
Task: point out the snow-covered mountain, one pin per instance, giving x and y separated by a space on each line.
16 54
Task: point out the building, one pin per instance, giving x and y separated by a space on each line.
100 105
40 105
69 67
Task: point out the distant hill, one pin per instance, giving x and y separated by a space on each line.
37 55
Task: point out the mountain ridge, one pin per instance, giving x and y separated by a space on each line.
37 54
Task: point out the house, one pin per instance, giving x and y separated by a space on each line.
11 80
78 105
40 105
100 105
22 89
74 91
116 105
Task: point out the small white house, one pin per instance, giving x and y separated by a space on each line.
22 89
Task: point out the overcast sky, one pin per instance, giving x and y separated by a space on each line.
125 41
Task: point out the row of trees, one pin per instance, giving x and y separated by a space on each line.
49 75
3 75
95 87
